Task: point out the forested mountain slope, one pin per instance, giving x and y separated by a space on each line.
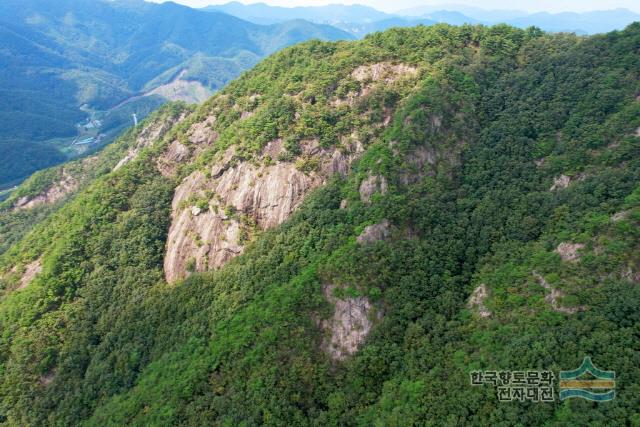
65 62
49 189
340 237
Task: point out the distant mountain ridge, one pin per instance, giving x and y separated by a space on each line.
69 61
360 20
587 22
333 13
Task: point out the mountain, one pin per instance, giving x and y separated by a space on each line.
587 22
347 234
583 23
73 71
330 14
355 19
361 20
479 14
450 17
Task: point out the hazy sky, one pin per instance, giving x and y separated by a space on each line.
395 5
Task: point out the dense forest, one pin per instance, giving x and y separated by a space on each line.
488 221
65 62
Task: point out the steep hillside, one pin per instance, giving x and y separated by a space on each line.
47 190
340 237
95 62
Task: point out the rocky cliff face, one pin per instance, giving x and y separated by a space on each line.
218 207
153 132
19 277
217 210
372 75
59 189
352 321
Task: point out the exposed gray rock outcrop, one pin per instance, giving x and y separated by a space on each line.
369 76
375 232
554 295
477 298
563 181
31 270
59 189
150 134
619 216
199 136
383 71
349 326
371 185
420 163
560 182
171 159
569 251
242 197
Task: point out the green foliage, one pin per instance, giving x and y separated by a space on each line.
15 223
98 338
307 164
59 67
